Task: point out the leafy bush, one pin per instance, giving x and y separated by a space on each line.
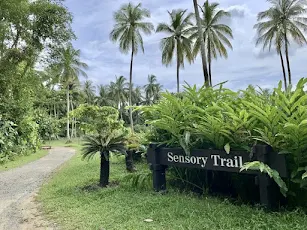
219 118
49 127
8 139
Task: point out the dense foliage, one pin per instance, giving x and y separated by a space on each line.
218 118
28 30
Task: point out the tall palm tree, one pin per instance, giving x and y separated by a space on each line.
152 89
216 35
118 91
127 31
272 36
89 91
288 18
202 43
178 42
70 68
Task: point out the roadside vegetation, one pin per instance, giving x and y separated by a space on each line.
112 124
73 199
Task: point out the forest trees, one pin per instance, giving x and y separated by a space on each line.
69 68
27 28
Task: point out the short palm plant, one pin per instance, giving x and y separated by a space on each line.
104 144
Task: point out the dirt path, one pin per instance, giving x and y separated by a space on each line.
18 188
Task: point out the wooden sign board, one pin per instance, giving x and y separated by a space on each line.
160 158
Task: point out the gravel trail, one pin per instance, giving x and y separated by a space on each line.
18 188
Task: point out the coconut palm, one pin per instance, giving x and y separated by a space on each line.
118 91
104 144
202 43
70 68
152 90
127 31
137 97
216 34
89 91
103 98
273 36
178 42
285 21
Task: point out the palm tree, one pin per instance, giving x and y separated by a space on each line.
152 90
202 43
118 91
104 144
178 41
70 68
282 23
127 31
89 91
103 98
273 35
137 97
216 35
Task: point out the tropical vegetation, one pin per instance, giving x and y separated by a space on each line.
47 93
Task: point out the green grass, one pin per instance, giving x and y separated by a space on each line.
66 201
22 160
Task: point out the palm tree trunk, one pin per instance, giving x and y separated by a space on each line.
130 87
73 123
67 95
287 58
283 69
178 68
202 43
209 63
129 161
104 170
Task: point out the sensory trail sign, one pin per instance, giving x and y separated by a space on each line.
160 158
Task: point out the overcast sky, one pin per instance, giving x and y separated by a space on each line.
246 64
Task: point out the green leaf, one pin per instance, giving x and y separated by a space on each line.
304 176
227 148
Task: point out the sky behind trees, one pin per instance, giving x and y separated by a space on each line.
246 64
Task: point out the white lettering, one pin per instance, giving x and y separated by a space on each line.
193 160
170 157
215 159
181 159
187 159
229 163
222 161
241 162
176 158
204 160
236 161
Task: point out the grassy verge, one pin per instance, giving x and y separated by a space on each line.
22 160
70 200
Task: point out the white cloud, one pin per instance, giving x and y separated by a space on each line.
245 65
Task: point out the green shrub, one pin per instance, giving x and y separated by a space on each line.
219 118
48 126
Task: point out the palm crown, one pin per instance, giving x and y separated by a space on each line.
129 25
